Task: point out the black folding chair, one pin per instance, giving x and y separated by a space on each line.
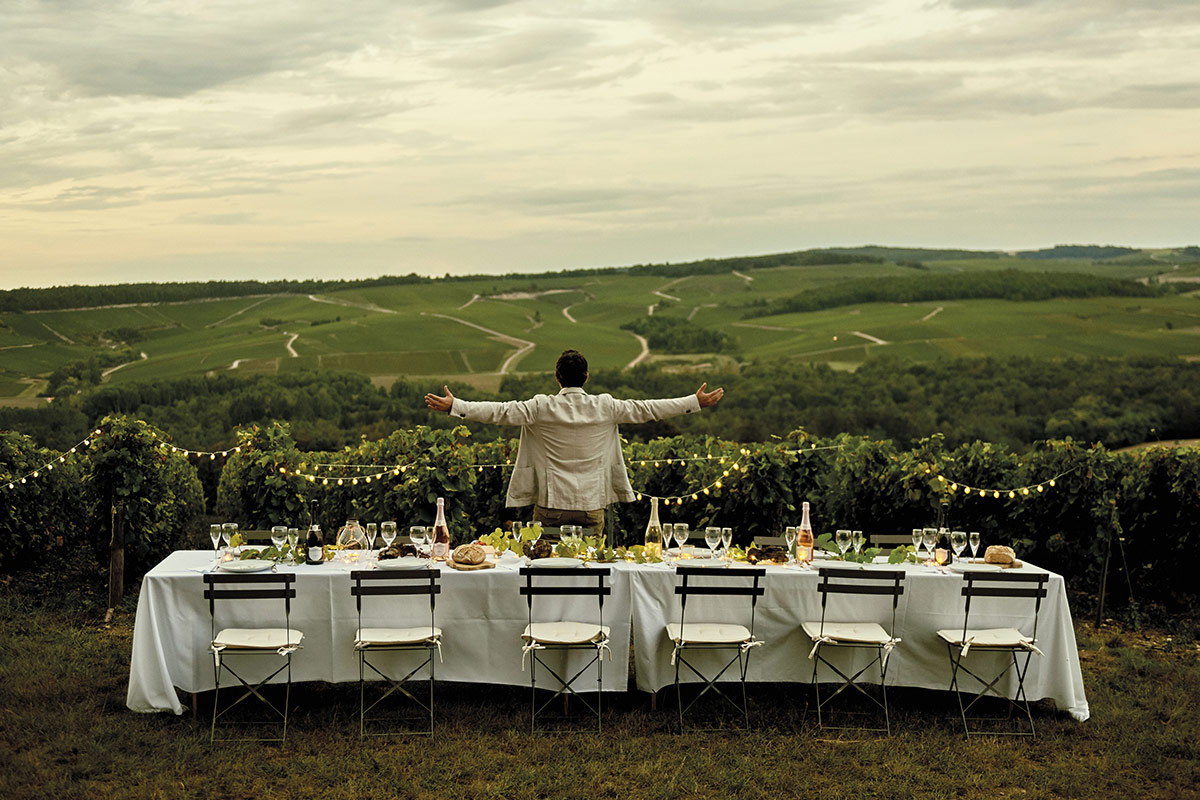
228 642
692 635
369 641
1011 587
564 636
826 633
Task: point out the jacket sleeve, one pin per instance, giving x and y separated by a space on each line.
513 412
630 411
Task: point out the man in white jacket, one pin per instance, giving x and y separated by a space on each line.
569 465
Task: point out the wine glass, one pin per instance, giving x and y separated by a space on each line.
388 531
712 538
372 532
842 539
929 539
214 532
789 536
726 541
681 534
958 541
417 534
228 529
973 538
859 540
278 535
916 540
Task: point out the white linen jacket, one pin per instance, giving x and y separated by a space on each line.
570 453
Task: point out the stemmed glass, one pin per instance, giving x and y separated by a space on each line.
388 531
417 534
859 540
842 539
712 538
681 535
916 539
278 535
789 536
929 539
228 529
726 541
372 533
293 538
214 532
973 538
958 541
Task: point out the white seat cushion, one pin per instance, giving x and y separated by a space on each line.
856 632
708 633
565 632
987 637
389 636
258 638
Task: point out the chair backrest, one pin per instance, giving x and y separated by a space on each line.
251 586
764 541
890 539
849 580
380 582
567 581
1009 584
729 582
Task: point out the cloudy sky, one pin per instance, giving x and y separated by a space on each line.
190 140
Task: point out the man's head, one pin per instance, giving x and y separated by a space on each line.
571 369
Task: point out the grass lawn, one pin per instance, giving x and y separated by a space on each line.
67 734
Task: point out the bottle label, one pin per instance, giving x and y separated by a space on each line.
315 553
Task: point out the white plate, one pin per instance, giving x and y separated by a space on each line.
247 565
963 566
556 562
700 552
699 562
404 562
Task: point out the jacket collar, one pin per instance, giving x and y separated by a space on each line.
571 390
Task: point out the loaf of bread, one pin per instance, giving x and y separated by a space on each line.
999 554
469 554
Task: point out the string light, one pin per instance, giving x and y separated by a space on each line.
14 481
1011 493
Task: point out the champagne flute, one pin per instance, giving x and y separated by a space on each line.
916 540
726 541
973 538
859 540
293 538
842 539
958 541
929 539
372 533
214 532
789 536
278 535
388 531
712 538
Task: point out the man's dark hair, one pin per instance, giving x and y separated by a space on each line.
571 369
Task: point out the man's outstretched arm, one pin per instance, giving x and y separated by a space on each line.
706 399
439 403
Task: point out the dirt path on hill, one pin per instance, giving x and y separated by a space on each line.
523 346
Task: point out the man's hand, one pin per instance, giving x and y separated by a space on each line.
706 399
438 403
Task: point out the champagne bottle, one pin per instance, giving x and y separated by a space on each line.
440 550
654 532
804 537
314 546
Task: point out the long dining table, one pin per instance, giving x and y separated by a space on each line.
482 615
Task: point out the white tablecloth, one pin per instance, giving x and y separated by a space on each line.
932 600
483 615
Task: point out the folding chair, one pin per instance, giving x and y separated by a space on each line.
826 633
959 643
692 635
251 641
371 641
564 636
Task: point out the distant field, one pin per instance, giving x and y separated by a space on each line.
477 327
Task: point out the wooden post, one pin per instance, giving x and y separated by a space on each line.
116 560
